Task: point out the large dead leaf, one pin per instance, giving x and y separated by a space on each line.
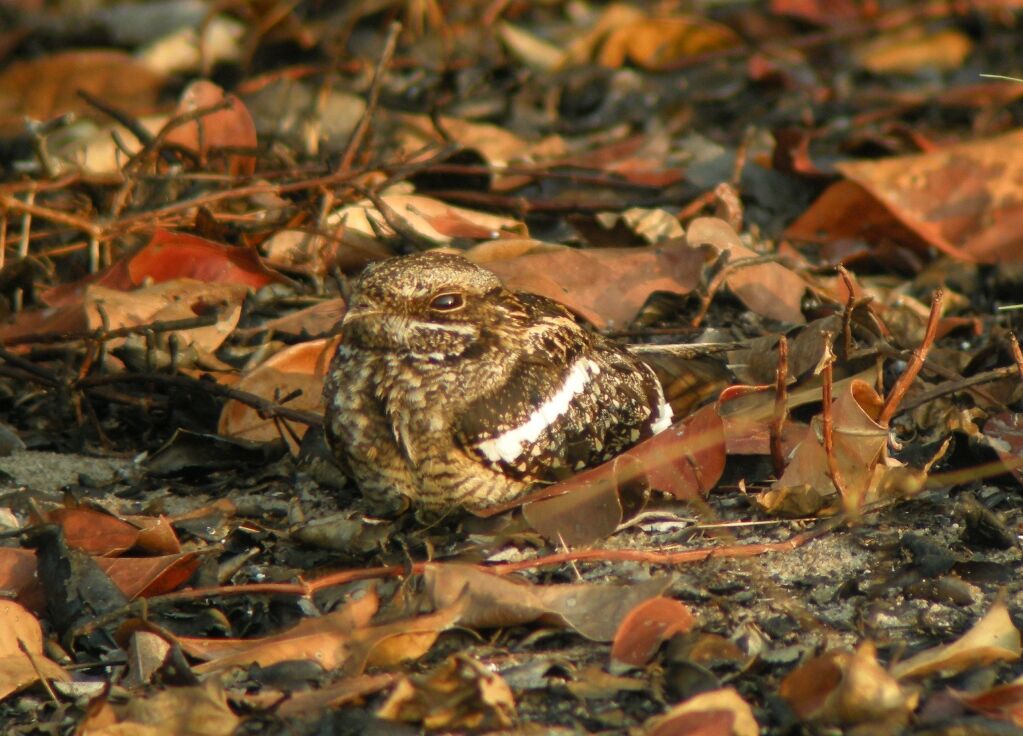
341 639
860 447
992 639
624 33
716 713
593 611
769 289
325 640
48 86
908 50
172 255
459 694
646 626
230 128
300 367
607 286
849 689
196 710
964 200
22 661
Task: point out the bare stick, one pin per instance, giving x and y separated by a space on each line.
780 410
355 142
898 392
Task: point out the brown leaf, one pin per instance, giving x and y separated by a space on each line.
964 199
646 626
715 713
607 286
459 694
659 44
229 128
1004 702
587 508
141 577
48 86
492 600
300 367
196 710
95 532
910 49
20 632
769 289
860 446
848 689
326 640
994 638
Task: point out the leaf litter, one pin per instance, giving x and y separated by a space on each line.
800 214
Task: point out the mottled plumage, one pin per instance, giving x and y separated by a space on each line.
451 390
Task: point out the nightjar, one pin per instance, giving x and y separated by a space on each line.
452 390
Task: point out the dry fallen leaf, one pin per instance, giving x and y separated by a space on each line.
849 689
993 638
646 626
594 611
195 710
300 367
715 713
21 650
963 200
459 694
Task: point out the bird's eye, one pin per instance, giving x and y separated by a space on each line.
447 302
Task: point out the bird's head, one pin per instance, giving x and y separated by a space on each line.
430 304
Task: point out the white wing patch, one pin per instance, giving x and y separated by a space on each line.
508 446
664 417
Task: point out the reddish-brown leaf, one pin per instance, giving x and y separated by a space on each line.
646 626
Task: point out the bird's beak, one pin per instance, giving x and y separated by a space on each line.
357 312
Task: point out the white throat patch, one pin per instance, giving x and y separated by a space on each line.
508 446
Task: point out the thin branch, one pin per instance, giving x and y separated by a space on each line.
898 392
780 406
355 142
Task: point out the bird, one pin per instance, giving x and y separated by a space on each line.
452 391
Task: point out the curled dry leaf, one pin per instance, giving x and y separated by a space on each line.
1004 702
230 128
300 367
716 713
460 694
860 446
769 289
594 611
435 221
849 689
992 639
962 200
21 651
646 626
195 710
